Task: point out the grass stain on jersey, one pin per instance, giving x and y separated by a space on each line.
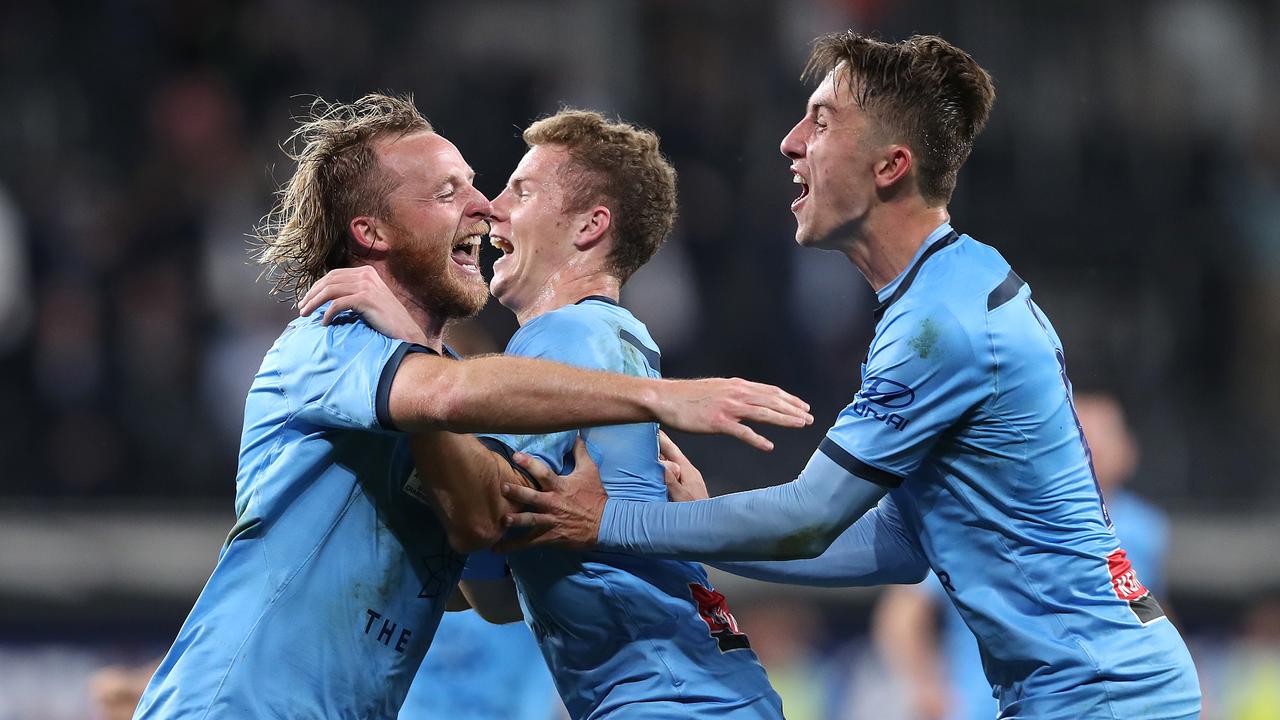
925 342
799 544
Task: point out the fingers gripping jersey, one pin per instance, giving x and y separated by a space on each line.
965 409
621 633
329 587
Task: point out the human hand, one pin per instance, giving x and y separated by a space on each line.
362 290
722 406
566 512
684 481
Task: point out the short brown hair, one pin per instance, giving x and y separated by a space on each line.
930 93
338 178
619 166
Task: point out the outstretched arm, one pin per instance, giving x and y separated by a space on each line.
875 550
786 522
496 393
908 399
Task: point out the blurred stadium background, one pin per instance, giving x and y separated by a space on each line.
1131 172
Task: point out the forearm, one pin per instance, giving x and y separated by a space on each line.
494 600
867 553
498 393
786 522
463 479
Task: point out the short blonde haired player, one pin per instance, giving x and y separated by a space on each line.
590 202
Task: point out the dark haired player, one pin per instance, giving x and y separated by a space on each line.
961 451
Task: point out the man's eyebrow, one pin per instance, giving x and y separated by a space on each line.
817 105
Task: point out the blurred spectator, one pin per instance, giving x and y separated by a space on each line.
116 689
1252 688
479 671
783 635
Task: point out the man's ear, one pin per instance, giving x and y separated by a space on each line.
368 236
894 165
593 225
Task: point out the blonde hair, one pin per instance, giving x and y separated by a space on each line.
620 166
338 178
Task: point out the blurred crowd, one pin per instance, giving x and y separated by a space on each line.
1131 173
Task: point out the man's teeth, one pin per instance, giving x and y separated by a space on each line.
795 178
469 243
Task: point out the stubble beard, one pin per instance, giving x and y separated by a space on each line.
424 270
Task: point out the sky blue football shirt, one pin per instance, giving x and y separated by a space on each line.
327 592
649 638
964 416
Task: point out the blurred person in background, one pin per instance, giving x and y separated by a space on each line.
588 205
783 634
329 587
476 670
961 451
922 636
1251 689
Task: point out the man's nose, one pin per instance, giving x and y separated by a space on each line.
480 207
793 145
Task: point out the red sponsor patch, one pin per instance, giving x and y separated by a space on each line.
714 610
1123 578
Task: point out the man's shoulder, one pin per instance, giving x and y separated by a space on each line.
572 324
308 337
957 287
961 277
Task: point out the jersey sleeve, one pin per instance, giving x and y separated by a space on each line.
921 376
485 565
340 375
877 549
568 336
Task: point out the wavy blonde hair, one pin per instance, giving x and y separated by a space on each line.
338 178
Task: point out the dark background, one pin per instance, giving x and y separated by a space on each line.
1130 172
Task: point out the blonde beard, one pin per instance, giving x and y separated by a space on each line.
428 277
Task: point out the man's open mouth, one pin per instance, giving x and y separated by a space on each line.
502 244
804 189
466 253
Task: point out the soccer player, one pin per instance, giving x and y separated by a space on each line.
939 661
961 450
329 587
588 205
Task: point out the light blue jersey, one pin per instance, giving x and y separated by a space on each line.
644 637
965 409
1142 530
329 587
479 671
961 452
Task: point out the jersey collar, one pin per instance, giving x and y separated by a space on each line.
941 237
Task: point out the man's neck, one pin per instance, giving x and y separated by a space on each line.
560 292
886 243
432 325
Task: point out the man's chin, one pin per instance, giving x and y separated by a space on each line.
473 298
